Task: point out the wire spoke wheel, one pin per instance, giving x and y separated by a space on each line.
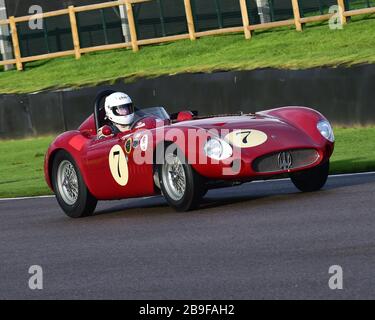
174 178
71 191
67 182
181 186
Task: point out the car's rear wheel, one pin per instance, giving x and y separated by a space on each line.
182 187
70 189
311 180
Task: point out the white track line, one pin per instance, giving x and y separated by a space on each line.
26 198
331 176
352 174
259 181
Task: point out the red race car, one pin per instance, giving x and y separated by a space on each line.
183 155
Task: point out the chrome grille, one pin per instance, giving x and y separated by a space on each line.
276 162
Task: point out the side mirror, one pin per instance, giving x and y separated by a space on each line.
185 116
107 131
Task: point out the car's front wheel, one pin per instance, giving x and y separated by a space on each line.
311 180
182 187
70 189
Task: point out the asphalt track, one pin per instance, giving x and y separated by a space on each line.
256 241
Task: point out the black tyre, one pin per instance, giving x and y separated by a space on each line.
70 189
311 180
204 191
182 187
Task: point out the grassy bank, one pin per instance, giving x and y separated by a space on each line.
316 46
21 167
21 161
354 150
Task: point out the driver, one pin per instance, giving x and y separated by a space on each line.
119 110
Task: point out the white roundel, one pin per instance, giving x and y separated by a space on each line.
246 138
118 165
144 142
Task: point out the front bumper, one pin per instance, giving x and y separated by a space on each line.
251 166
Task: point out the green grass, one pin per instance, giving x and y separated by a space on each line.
21 161
354 150
316 46
21 167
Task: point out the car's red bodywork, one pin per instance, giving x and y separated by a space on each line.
287 128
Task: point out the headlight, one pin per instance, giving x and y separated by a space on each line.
218 149
326 130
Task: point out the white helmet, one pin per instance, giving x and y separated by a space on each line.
119 108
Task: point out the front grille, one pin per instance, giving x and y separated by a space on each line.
285 160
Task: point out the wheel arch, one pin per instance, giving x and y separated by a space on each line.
159 149
51 160
75 144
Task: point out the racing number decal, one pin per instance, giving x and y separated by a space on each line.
118 165
246 138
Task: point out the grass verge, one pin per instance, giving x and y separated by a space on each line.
21 161
316 46
21 167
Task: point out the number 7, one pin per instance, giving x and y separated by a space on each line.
117 153
247 133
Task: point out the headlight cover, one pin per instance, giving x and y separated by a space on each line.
218 149
326 130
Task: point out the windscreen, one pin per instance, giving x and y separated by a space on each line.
158 112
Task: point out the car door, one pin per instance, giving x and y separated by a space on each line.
113 173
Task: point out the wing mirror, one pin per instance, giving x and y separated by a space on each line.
107 131
185 116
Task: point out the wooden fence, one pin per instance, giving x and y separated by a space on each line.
77 51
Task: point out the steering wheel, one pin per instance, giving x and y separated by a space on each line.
147 116
134 124
101 95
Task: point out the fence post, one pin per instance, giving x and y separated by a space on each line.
189 19
341 4
297 15
75 35
16 43
245 19
133 31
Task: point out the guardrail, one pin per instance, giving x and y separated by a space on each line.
134 43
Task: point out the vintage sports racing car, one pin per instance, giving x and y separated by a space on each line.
183 155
